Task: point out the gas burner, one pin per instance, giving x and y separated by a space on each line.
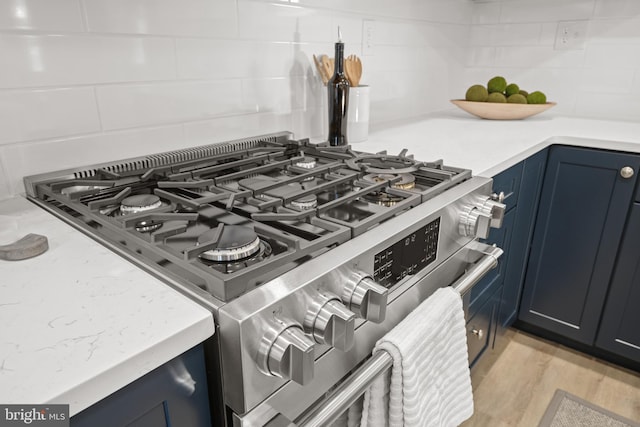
305 203
148 226
234 243
383 199
384 164
406 182
306 163
229 267
139 203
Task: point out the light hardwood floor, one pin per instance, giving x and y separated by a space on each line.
515 382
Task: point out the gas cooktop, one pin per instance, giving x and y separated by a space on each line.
228 217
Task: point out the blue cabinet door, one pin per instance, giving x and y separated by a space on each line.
174 394
520 241
582 212
620 328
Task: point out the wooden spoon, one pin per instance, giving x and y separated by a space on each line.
353 68
321 70
327 63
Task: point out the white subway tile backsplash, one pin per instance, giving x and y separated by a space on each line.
446 36
485 13
482 57
617 8
449 11
615 31
52 155
400 58
284 22
545 10
127 106
223 59
37 60
229 128
621 106
635 86
527 34
537 56
39 114
200 18
607 80
269 95
608 55
84 81
5 191
39 15
402 33
481 35
548 33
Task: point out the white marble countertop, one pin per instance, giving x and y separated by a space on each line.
490 146
78 322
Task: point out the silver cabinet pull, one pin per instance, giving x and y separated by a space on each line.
626 172
478 333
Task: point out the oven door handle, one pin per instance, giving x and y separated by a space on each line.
479 269
353 387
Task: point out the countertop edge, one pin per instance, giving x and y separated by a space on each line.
109 381
611 145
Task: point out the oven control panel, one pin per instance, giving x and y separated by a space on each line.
407 256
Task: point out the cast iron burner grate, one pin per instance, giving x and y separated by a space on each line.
228 217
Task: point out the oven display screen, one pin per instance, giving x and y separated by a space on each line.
407 256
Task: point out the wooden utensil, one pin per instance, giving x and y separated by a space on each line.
323 74
327 63
353 68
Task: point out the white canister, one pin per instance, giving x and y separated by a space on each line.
358 114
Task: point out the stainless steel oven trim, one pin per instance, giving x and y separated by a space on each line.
353 387
469 265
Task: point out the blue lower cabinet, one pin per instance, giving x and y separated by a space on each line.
494 300
579 226
519 241
501 237
481 325
173 395
508 182
619 330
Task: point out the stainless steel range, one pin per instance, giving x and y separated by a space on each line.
305 253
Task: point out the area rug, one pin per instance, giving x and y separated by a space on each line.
567 410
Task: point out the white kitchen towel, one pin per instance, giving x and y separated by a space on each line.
429 383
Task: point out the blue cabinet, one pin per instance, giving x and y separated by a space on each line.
494 300
619 330
174 394
579 226
522 231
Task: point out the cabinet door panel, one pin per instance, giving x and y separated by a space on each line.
518 249
174 394
501 238
620 328
508 182
580 221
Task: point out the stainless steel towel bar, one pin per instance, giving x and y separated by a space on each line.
353 387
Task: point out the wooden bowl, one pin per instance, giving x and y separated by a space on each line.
501 111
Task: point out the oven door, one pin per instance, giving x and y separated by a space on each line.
294 404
